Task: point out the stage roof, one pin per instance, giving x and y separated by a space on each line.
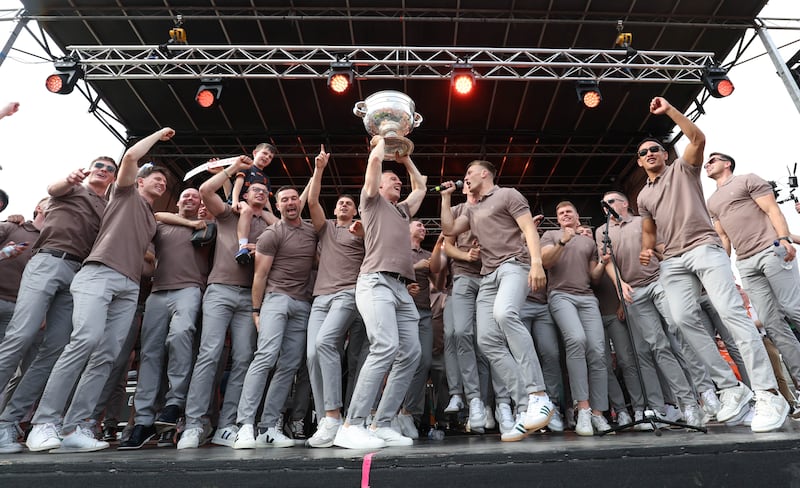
523 115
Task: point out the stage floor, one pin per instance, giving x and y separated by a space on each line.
725 456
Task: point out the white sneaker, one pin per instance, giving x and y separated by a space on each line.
81 440
455 405
391 437
190 439
8 439
43 437
692 415
770 412
540 409
326 432
225 436
711 404
624 418
733 400
556 423
477 415
491 423
644 426
505 418
357 437
518 432
245 438
407 426
273 437
600 424
583 426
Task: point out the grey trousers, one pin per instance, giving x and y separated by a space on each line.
356 349
281 346
43 294
709 266
105 302
502 336
110 403
617 333
168 327
330 318
578 318
537 319
714 326
646 313
775 293
223 306
414 401
461 364
391 321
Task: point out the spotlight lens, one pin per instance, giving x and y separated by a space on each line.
206 98
725 88
591 99
463 84
54 83
339 83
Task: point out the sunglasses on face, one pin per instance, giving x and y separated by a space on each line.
108 167
714 160
611 201
653 149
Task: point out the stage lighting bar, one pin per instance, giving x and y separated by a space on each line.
588 93
717 82
209 92
64 80
340 77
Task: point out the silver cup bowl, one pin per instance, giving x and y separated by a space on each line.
391 115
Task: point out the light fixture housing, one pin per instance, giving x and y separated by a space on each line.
588 92
68 72
209 92
340 77
716 81
463 79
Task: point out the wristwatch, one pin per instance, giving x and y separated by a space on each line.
786 238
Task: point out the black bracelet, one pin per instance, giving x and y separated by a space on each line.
256 309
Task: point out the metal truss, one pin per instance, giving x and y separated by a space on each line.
175 61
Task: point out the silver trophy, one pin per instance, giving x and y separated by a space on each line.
391 114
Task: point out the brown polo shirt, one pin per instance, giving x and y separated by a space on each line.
72 222
423 298
606 294
128 227
626 242
493 221
570 274
747 226
11 269
293 249
674 200
225 270
340 256
385 236
464 242
178 263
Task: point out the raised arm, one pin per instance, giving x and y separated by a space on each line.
372 178
314 208
418 180
126 175
693 154
450 225
208 190
63 186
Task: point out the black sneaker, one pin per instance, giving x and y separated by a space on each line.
109 433
243 256
140 436
167 438
168 418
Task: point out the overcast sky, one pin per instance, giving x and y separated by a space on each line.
53 134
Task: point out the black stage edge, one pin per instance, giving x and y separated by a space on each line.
726 456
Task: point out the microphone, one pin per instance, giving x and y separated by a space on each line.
610 210
459 184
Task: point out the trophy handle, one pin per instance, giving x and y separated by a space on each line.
360 109
417 119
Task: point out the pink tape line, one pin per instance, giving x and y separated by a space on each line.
365 466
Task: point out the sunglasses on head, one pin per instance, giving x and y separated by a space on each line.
653 149
110 168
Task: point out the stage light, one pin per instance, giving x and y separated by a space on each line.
340 77
68 74
209 92
463 79
588 93
716 81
